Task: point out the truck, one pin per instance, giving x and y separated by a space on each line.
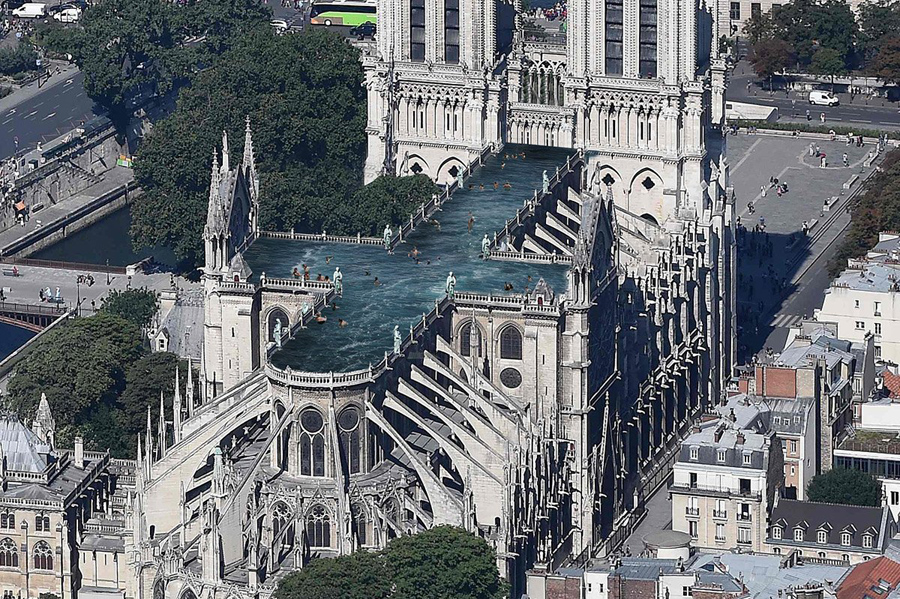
31 10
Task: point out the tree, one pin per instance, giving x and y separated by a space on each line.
760 27
810 25
879 21
80 366
130 47
828 62
18 59
146 380
846 487
440 563
771 56
362 575
444 561
138 306
304 95
886 65
878 209
386 200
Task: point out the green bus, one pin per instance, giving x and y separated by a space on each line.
349 13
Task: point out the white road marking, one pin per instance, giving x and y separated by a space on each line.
11 112
52 114
30 114
746 156
785 321
68 82
6 121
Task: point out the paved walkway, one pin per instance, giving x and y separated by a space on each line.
25 289
112 179
659 517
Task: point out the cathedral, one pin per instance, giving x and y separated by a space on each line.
538 414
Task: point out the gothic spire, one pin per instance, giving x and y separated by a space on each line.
225 162
161 430
44 426
176 407
189 391
215 216
249 162
149 439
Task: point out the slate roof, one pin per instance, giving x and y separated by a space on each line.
708 447
183 325
23 450
763 575
873 579
833 519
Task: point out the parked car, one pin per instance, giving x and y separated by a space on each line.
68 15
280 25
363 31
823 98
31 10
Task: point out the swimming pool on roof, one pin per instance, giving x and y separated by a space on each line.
407 288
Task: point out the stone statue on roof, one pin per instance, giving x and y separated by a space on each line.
387 236
545 185
460 179
397 339
338 278
277 332
450 285
485 246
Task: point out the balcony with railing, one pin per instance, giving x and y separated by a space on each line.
744 517
713 491
721 514
692 511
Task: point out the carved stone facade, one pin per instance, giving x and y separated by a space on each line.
536 420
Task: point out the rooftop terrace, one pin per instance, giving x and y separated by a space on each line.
408 287
872 442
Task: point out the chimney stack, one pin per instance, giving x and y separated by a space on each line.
739 439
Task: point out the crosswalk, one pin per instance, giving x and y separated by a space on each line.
785 321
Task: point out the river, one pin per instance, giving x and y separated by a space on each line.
12 338
107 239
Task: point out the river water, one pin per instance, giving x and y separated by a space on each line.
12 338
107 239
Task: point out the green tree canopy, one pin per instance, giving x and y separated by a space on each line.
441 563
306 103
146 380
385 200
878 209
845 486
879 21
131 47
138 306
80 366
828 62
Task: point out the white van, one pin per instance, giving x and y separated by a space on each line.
31 10
68 15
823 98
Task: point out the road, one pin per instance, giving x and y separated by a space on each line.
50 112
792 106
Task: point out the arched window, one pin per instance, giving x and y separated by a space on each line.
43 556
348 427
9 554
189 594
465 340
511 343
318 527
159 589
280 515
312 443
8 520
42 523
362 524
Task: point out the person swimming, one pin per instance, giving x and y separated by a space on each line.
320 319
376 282
342 323
507 186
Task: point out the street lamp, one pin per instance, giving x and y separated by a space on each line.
107 272
78 298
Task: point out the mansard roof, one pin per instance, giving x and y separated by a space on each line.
24 451
834 519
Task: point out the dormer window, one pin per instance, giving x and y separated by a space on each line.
845 539
798 535
747 459
720 455
822 536
776 532
695 453
867 541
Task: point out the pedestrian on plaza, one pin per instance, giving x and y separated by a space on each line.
850 138
846 160
808 116
762 190
822 117
822 162
831 133
818 150
812 149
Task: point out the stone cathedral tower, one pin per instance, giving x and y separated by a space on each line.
230 308
435 92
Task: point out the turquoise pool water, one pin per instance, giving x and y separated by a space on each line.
408 288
